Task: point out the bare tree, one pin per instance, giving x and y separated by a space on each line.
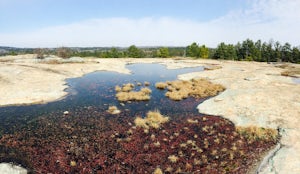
64 52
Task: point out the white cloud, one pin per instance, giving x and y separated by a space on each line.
264 19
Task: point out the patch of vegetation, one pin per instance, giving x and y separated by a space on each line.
154 119
113 110
86 137
64 52
290 70
291 73
254 133
126 93
182 89
161 85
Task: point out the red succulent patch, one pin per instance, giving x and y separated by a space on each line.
87 141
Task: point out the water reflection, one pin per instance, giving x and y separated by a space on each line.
97 90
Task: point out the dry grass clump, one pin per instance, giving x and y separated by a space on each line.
127 87
291 73
161 85
118 88
173 158
133 96
125 93
113 110
212 67
157 171
52 61
146 90
199 88
258 133
153 119
290 70
147 83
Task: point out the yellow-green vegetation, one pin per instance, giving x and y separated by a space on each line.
181 89
258 133
125 93
154 119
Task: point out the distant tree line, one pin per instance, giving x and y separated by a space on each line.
258 51
246 50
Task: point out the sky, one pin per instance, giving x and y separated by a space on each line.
121 23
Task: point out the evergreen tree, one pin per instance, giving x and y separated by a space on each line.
134 52
192 50
163 52
221 51
286 53
203 52
295 57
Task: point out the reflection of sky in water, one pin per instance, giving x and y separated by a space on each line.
97 89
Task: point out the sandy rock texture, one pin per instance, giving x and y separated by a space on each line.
256 93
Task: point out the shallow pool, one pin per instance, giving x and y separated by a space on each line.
97 89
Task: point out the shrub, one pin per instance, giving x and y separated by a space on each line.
64 52
40 53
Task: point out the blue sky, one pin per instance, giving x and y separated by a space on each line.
45 23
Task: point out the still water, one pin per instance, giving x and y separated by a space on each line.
97 89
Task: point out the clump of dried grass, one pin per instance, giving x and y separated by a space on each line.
199 88
132 96
153 119
126 93
127 87
290 70
113 110
291 73
161 85
258 133
147 83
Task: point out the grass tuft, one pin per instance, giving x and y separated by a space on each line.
173 158
198 88
258 133
153 119
126 93
161 85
